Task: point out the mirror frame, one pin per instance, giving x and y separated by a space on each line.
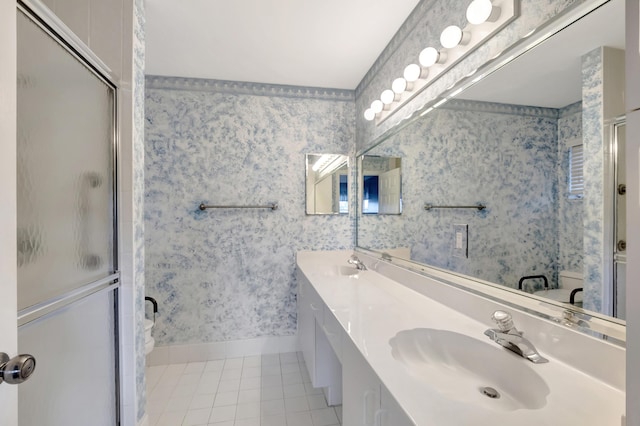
598 325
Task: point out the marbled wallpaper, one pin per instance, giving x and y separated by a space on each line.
570 220
503 156
138 205
593 140
223 275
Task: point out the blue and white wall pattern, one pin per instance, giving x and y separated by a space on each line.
224 275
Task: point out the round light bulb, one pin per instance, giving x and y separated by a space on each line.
387 97
412 73
399 85
481 11
377 106
369 115
451 37
428 57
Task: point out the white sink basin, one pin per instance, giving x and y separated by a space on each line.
341 271
462 368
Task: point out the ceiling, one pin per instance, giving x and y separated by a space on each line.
550 75
328 43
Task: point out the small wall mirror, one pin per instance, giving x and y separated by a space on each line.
327 188
381 183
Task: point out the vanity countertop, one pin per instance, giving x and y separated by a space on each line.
372 309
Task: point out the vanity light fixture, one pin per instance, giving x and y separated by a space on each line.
388 96
430 56
322 162
369 115
481 11
414 72
484 20
453 36
399 85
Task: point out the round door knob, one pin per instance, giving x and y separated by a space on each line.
17 369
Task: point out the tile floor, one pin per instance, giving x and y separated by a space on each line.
267 390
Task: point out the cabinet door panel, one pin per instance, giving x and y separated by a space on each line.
390 413
361 388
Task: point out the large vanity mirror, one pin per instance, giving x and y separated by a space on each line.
327 189
517 180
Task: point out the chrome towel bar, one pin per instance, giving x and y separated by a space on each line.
272 206
477 206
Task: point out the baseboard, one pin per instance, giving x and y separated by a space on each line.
177 354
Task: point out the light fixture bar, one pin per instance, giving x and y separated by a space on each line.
488 17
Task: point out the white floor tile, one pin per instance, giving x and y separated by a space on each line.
247 422
172 418
291 391
250 395
297 404
271 370
206 387
299 419
226 398
231 374
184 391
189 379
290 368
310 390
252 361
272 407
194 367
216 365
248 410
268 390
202 401
291 378
271 381
279 420
274 392
178 404
250 383
324 417
233 363
221 414
229 385
197 417
251 371
316 402
288 358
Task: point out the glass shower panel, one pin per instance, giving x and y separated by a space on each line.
65 169
74 381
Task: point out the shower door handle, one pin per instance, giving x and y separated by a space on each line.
622 245
17 369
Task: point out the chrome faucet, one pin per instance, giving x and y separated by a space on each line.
509 337
353 260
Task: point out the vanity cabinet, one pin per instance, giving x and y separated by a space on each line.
322 363
366 402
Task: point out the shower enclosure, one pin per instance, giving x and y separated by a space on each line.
67 276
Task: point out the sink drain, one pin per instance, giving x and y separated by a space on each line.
490 392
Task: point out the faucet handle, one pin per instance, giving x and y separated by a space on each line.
504 320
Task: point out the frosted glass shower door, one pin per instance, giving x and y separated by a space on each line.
66 245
